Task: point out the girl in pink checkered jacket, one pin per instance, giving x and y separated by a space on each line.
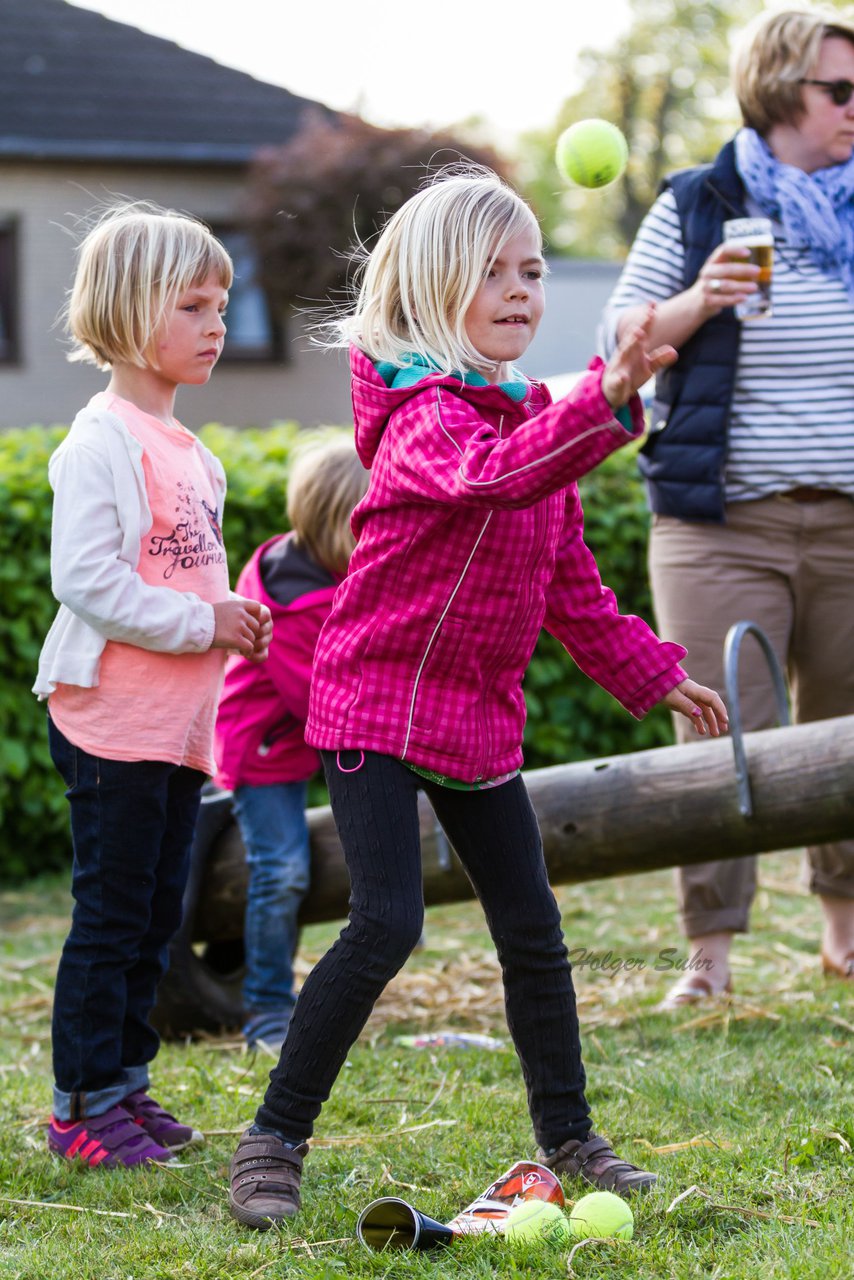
469 540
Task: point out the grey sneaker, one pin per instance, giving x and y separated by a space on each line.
264 1178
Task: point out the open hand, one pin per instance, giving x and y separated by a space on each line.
632 364
702 706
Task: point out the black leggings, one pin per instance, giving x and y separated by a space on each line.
495 834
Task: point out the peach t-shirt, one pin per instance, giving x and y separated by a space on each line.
147 705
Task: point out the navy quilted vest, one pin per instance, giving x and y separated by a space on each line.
683 458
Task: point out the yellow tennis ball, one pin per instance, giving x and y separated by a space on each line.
537 1220
592 153
601 1214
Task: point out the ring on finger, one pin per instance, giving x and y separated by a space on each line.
716 286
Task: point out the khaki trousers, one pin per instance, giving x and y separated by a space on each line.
789 567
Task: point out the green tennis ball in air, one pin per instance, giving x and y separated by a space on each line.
592 153
537 1220
601 1214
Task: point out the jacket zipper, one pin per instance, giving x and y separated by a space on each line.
435 632
278 731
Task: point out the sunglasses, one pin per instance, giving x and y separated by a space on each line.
840 91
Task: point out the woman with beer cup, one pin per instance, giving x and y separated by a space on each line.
750 458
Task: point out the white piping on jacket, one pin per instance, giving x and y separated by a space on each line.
455 590
600 426
436 631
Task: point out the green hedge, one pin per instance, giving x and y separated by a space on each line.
33 811
31 819
569 717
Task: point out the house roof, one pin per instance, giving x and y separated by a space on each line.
75 85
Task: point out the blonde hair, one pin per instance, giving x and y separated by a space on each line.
132 266
775 52
418 282
325 482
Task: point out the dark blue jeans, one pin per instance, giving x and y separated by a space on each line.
495 833
132 826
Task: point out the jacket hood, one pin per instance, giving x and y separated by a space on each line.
374 402
251 583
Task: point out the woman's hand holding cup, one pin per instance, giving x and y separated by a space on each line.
727 278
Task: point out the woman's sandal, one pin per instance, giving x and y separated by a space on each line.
693 992
832 969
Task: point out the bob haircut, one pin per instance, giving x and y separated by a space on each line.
416 285
775 52
325 482
131 267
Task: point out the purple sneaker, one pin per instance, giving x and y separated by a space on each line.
111 1139
162 1127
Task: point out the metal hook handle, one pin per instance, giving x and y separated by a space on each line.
732 651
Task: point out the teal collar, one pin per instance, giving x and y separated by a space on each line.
417 369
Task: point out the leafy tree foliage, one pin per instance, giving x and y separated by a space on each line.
329 189
665 83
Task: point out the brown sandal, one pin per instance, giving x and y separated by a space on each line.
597 1163
265 1179
832 969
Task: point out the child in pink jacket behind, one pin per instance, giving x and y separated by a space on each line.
259 742
469 540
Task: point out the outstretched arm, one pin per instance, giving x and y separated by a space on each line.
443 448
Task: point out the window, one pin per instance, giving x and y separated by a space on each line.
8 292
254 334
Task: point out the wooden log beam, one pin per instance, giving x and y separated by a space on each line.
637 812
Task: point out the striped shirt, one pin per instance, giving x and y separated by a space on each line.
792 415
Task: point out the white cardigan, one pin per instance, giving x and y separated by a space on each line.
100 515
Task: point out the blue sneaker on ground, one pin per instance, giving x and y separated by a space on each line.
267 1029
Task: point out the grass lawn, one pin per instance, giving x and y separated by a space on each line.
748 1102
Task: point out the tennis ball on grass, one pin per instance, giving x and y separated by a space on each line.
601 1214
537 1220
592 153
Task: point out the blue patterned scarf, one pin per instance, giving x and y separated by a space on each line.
816 209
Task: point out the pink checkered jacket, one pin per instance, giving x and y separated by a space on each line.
470 539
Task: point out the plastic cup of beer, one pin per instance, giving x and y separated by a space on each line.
757 235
